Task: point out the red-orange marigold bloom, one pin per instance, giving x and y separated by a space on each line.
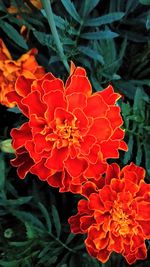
70 133
11 69
116 217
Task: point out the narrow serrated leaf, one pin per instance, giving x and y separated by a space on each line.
56 220
19 201
91 53
109 18
69 238
13 34
128 154
139 154
30 231
89 6
69 6
145 2
99 35
42 37
60 22
46 216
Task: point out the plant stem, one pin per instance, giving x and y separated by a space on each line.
48 9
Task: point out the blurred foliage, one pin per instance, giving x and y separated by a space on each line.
111 40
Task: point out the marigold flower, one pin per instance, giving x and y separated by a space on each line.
116 217
70 133
36 3
10 69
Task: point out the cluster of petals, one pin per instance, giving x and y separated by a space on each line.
70 132
115 217
11 69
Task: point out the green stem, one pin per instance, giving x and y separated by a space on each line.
48 9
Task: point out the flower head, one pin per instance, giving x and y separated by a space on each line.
10 69
116 217
70 133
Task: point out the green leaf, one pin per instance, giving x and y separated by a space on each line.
60 22
128 154
147 155
9 263
148 22
43 38
131 5
127 88
56 220
109 18
138 101
44 251
19 201
69 6
14 110
30 231
99 35
28 217
13 34
91 53
125 108
145 2
46 216
2 7
134 36
20 243
69 238
53 59
2 171
51 260
89 6
139 154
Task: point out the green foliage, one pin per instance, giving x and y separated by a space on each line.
44 240
137 129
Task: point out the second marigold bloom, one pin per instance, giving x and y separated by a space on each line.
11 69
70 133
116 217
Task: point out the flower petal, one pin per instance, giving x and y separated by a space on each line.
75 167
101 129
53 100
79 84
96 107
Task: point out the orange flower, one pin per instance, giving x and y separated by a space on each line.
116 217
70 133
36 3
10 69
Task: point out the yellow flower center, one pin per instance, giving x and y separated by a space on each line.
68 133
121 219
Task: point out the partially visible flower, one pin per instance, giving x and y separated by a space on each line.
36 3
25 8
11 69
70 133
116 217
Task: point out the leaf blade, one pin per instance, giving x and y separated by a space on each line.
70 8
